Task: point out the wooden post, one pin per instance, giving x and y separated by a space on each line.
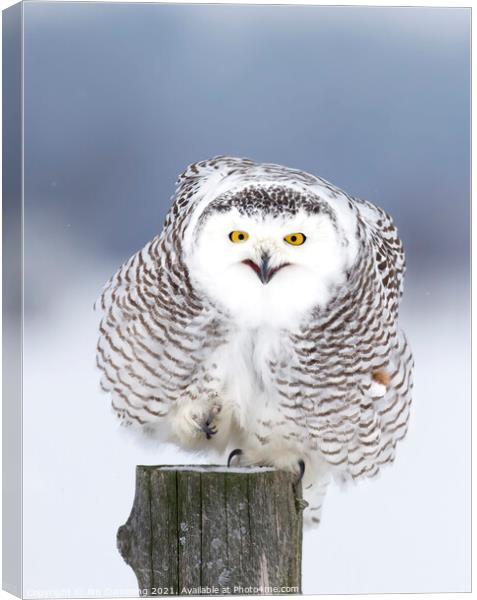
214 530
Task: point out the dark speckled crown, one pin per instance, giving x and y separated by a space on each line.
270 200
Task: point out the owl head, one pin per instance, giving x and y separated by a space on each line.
269 253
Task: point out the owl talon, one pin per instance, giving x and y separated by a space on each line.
208 428
301 465
236 452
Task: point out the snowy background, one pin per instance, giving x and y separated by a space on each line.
118 100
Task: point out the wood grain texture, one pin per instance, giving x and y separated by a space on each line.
210 530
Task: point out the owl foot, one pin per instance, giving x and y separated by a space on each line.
301 466
236 452
206 425
208 429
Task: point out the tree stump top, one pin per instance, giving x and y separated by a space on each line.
208 469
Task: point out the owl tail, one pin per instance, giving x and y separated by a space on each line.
315 483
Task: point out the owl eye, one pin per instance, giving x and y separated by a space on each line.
295 239
238 236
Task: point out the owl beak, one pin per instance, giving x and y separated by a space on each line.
265 273
263 270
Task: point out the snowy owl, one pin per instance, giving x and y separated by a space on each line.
263 321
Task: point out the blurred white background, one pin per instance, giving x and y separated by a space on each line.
118 100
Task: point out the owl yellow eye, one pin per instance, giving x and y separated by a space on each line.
295 239
238 236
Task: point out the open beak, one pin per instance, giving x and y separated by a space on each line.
263 270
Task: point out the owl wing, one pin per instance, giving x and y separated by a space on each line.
342 355
386 393
153 334
387 248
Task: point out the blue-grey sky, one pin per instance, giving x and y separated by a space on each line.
119 98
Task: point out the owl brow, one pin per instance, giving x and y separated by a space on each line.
252 201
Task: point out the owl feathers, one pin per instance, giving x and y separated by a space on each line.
289 352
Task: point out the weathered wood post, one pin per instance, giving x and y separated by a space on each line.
214 530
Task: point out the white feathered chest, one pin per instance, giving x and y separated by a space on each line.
248 381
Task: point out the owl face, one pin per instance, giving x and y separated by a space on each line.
268 266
